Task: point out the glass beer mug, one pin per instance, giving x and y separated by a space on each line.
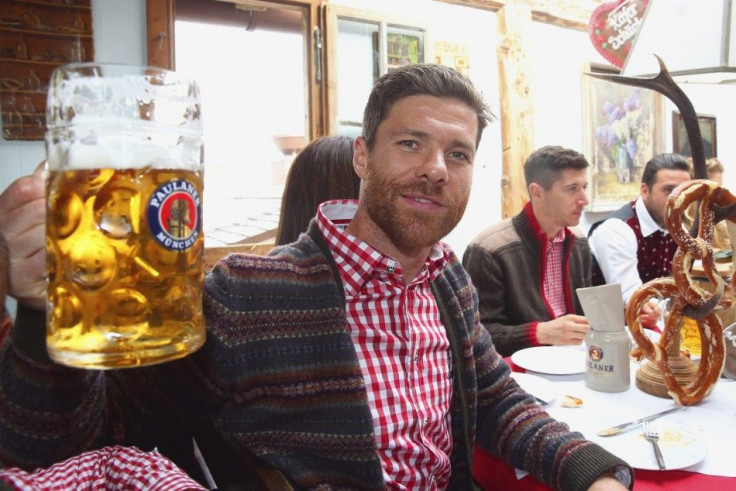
690 336
124 236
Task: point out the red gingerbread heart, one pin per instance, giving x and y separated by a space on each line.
613 27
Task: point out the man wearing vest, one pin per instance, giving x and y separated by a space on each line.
632 246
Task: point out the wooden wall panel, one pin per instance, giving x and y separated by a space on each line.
517 106
572 14
35 38
160 33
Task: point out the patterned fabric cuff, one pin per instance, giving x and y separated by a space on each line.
624 476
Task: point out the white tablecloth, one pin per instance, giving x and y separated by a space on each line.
715 416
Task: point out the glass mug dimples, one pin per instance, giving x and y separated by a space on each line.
124 236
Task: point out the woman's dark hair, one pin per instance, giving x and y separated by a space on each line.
322 171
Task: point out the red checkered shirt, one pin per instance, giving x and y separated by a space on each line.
403 351
553 287
109 468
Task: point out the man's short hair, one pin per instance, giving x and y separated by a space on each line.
669 161
421 79
713 165
546 164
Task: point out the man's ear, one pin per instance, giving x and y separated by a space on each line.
535 190
644 190
360 156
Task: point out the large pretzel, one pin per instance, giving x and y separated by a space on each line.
686 295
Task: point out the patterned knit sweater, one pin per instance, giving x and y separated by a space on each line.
278 384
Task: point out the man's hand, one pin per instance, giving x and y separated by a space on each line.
607 483
22 223
568 329
649 315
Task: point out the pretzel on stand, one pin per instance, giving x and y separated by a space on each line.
686 297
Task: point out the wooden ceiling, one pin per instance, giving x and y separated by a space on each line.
572 14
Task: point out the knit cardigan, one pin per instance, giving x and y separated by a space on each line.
506 263
278 383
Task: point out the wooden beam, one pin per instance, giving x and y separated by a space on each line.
571 14
160 33
517 106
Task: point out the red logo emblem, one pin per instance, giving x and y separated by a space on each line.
174 214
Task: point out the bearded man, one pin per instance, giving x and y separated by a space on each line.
352 358
633 246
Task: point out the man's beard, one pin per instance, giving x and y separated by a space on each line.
409 229
656 215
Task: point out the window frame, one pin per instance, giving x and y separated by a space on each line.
160 18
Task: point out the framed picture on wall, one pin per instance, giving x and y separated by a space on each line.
680 142
623 127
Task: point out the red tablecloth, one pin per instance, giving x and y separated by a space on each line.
492 473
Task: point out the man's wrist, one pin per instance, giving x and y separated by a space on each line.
534 334
622 474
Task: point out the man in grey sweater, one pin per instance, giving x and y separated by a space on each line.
526 268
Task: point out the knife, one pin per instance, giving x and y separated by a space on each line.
615 430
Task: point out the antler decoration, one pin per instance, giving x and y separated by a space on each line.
687 297
664 84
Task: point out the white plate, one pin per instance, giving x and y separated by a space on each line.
681 447
536 386
553 360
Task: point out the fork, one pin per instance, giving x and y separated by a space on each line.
652 434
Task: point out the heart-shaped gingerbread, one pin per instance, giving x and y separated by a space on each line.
613 27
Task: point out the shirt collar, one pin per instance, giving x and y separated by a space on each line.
357 261
646 222
561 234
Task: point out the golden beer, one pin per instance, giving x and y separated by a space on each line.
120 295
690 336
124 241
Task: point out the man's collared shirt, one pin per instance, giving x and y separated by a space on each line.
554 290
616 253
552 267
403 351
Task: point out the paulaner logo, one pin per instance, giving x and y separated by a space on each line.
174 213
595 353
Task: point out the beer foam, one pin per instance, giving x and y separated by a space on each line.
118 155
118 146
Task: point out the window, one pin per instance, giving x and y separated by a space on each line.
252 62
365 45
